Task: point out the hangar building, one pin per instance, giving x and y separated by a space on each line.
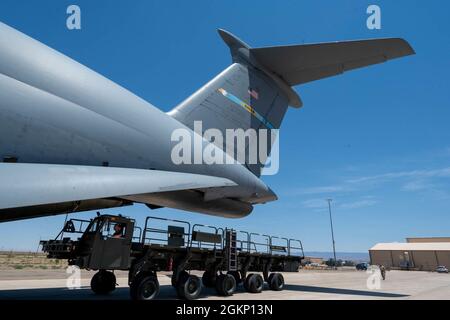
424 254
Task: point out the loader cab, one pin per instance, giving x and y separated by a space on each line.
108 239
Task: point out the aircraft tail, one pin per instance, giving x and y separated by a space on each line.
256 90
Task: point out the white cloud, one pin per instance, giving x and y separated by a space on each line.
417 185
445 172
415 180
358 204
408 181
321 190
315 203
319 205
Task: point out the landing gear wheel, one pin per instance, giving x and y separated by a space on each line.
103 282
255 283
189 287
276 281
236 275
226 285
144 287
209 279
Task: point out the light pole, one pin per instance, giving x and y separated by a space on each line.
332 233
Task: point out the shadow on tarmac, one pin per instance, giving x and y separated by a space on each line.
166 292
292 287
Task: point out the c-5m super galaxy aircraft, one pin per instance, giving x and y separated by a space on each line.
72 140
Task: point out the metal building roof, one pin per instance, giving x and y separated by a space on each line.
425 246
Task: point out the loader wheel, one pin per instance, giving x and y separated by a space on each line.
189 287
246 287
209 279
144 287
103 282
276 281
236 275
255 283
225 285
183 274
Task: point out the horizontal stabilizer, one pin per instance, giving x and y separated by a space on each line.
299 64
23 185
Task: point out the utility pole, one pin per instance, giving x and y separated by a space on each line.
332 233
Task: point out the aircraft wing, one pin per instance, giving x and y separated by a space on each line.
304 63
24 184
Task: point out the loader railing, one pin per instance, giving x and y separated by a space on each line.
180 233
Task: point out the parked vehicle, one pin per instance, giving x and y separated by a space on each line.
441 269
362 266
226 257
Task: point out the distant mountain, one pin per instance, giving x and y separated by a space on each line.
353 256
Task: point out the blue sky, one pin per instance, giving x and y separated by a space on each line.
376 140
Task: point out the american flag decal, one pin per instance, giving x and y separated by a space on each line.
253 93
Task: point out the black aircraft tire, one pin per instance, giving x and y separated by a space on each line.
103 282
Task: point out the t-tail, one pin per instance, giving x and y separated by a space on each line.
256 90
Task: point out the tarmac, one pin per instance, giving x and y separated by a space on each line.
304 285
